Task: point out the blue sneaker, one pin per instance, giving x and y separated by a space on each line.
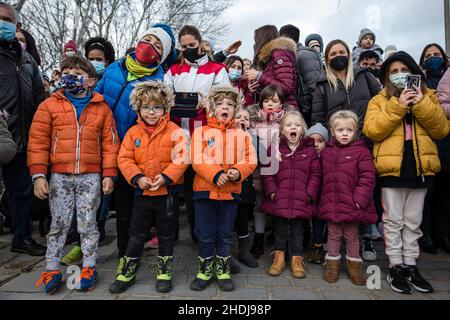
88 279
52 280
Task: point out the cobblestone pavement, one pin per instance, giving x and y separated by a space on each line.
19 273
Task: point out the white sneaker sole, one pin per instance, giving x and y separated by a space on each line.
419 289
389 280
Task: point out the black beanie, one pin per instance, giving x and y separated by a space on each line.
402 57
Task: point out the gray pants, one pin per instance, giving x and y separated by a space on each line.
69 194
402 217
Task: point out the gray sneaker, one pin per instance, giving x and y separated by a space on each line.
368 251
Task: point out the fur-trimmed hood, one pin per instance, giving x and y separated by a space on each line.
281 43
220 89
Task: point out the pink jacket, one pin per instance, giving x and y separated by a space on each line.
443 93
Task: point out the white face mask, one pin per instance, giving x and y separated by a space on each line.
70 53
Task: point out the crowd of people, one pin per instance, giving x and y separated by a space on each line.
313 143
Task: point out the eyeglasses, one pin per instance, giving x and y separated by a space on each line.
155 109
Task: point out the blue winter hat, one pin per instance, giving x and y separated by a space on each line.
173 55
319 129
314 37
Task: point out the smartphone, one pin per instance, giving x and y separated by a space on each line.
413 80
185 105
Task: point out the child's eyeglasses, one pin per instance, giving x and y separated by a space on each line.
155 109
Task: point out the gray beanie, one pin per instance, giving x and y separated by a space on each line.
319 129
365 32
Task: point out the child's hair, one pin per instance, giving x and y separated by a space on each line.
332 79
344 114
220 92
291 113
254 113
269 92
154 91
78 62
103 45
247 59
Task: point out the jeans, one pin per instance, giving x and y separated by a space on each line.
214 222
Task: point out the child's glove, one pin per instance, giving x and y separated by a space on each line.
41 188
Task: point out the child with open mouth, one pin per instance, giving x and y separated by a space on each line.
292 189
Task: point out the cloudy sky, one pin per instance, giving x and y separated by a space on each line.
408 24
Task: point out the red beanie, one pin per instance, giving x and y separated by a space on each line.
72 45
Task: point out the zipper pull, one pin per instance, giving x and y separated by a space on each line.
423 177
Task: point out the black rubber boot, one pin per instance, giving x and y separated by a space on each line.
244 253
258 245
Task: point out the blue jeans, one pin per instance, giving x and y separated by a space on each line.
214 222
20 195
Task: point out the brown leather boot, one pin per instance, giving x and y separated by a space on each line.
332 269
354 269
278 264
297 267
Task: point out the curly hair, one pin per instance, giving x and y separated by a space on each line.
152 91
219 92
102 44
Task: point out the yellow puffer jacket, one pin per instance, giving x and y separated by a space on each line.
384 125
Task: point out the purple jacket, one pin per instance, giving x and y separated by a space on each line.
279 67
296 184
348 179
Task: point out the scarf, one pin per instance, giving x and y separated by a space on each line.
136 71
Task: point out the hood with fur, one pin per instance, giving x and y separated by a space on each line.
220 89
281 43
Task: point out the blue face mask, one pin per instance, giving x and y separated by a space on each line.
73 83
235 74
99 66
434 63
399 80
7 31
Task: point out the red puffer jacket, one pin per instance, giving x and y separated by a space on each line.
296 184
278 65
348 182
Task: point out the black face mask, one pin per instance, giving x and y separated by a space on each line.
375 72
191 54
339 63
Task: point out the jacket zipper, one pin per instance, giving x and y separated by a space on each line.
418 151
98 144
113 136
79 128
292 181
56 142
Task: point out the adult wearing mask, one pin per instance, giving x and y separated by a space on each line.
20 95
309 67
434 62
142 64
343 88
100 52
70 49
275 62
235 66
194 73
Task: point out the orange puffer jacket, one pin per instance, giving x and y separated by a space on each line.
90 145
163 152
216 148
